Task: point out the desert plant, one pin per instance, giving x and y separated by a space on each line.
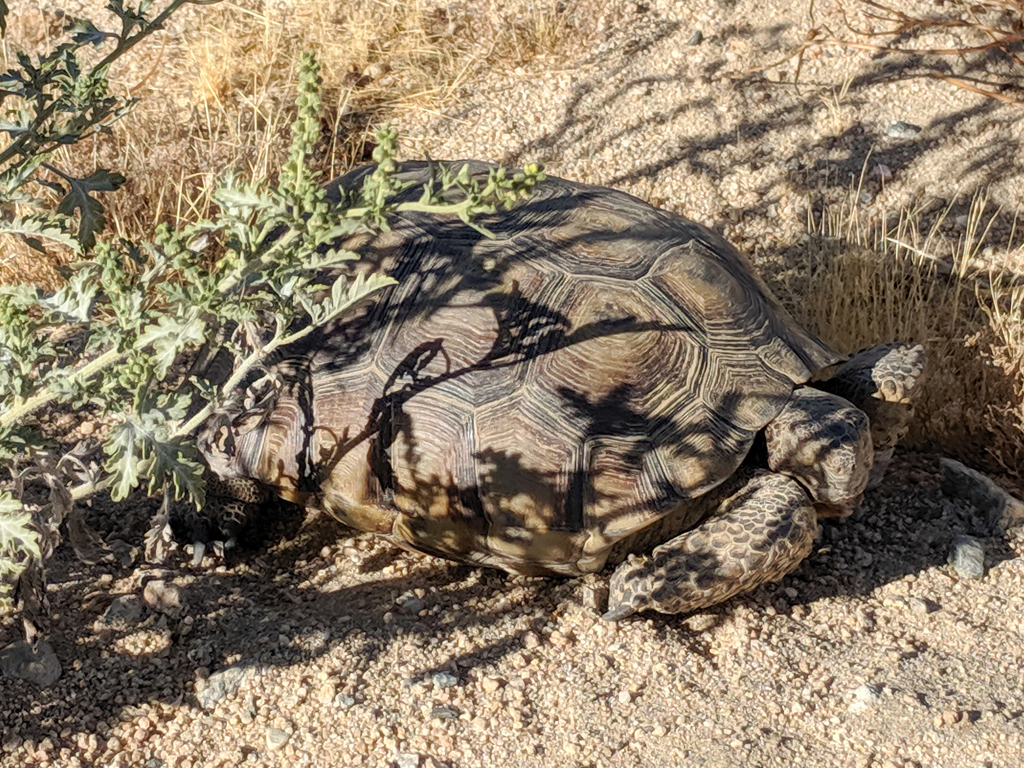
264 270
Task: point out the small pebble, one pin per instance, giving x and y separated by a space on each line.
444 712
490 684
344 701
162 597
444 680
902 131
696 38
410 605
224 683
121 614
276 738
923 606
864 698
408 760
967 556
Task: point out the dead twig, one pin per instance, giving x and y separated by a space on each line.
901 24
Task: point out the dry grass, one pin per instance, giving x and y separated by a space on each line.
217 89
871 281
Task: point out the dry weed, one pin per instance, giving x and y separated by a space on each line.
871 281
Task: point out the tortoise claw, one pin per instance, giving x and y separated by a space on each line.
198 552
619 613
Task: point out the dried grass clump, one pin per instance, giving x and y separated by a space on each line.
868 282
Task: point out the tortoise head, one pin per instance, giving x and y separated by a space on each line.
269 446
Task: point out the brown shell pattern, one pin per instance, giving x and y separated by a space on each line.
529 400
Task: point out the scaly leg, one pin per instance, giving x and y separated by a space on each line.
757 535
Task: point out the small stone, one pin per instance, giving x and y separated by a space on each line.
410 605
923 607
122 614
327 693
950 717
408 760
444 712
701 622
344 701
224 683
902 131
882 171
444 680
479 724
866 197
659 731
38 664
276 738
162 597
967 556
375 71
864 698
625 697
696 38
490 684
531 641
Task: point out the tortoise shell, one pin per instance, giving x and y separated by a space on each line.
527 401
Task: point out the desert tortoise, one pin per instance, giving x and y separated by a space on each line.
587 384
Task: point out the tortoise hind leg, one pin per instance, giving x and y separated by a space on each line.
758 535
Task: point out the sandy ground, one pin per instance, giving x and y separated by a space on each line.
314 647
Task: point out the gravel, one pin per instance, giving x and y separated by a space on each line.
838 664
765 680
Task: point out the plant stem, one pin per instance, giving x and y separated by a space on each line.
47 395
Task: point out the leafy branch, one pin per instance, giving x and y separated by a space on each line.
268 268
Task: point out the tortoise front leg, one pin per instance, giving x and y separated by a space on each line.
757 535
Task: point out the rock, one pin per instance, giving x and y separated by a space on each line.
162 597
224 683
444 712
344 701
902 131
408 760
375 71
864 697
444 680
696 38
124 553
36 663
1002 510
967 556
410 605
490 684
276 738
923 607
122 614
